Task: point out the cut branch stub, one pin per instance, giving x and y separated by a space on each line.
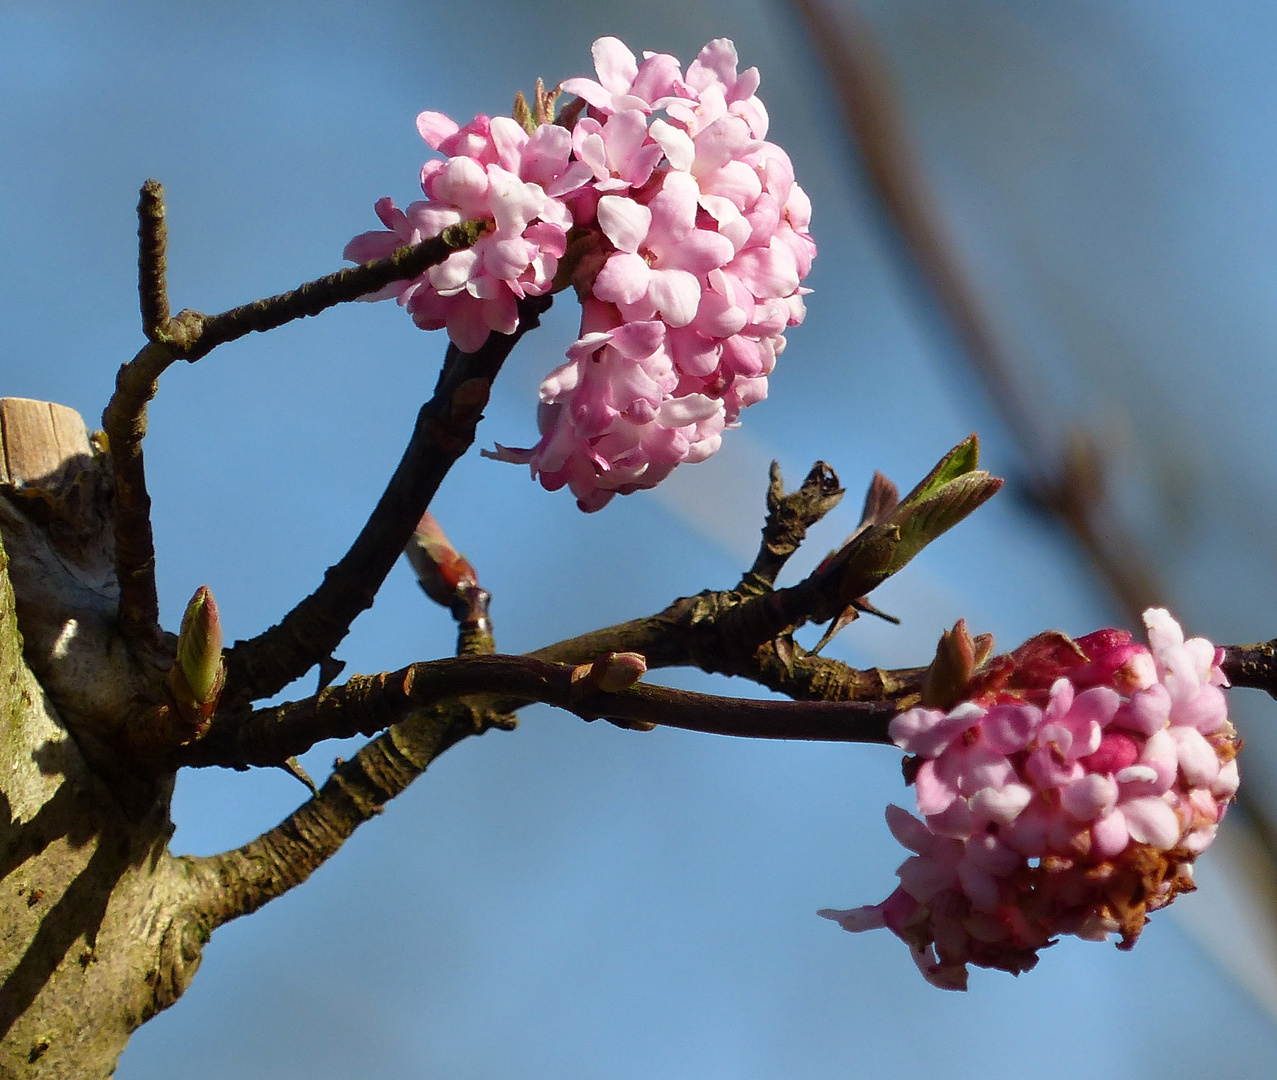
152 264
789 516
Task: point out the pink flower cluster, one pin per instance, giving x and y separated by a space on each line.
689 240
1068 794
495 172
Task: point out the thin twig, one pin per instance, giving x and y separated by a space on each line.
789 516
203 333
445 428
736 632
188 336
238 882
152 266
1253 666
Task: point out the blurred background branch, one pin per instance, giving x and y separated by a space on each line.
1065 466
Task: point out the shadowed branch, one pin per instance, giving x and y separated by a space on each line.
445 428
367 704
432 706
737 632
190 335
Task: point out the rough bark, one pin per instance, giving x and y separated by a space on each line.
99 927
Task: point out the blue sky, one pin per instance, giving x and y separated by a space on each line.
569 901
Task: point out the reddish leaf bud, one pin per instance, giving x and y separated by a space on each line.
440 568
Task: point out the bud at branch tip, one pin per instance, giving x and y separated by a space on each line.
199 648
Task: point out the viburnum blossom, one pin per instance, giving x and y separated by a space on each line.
1067 792
681 229
495 172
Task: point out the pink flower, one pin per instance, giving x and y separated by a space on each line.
623 83
610 419
661 257
688 227
1069 794
475 291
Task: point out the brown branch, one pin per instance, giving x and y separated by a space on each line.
789 516
125 424
692 631
1253 666
189 336
152 265
445 428
197 335
738 632
239 882
367 704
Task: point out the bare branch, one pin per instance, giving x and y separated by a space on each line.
152 265
125 423
789 516
200 334
840 704
239 882
445 428
740 632
1253 666
189 336
367 704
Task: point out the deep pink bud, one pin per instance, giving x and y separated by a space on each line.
1116 752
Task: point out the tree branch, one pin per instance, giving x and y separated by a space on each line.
856 706
736 632
239 882
789 516
152 261
190 335
125 424
196 335
445 428
1253 666
367 704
